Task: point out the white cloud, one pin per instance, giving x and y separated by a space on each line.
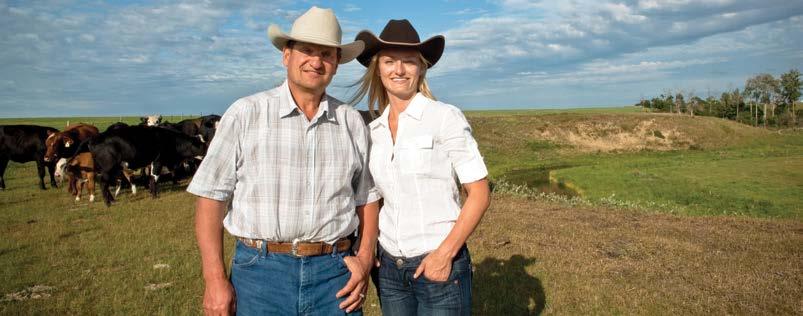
87 38
351 8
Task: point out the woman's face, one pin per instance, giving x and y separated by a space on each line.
400 70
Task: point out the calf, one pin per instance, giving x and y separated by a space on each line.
24 143
137 147
63 144
81 170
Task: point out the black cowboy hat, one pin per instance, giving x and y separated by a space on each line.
400 34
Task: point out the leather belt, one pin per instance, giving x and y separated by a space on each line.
297 248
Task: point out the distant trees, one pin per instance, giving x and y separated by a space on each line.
790 92
764 100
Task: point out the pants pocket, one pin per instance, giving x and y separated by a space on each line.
244 256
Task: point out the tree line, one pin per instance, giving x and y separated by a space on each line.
764 101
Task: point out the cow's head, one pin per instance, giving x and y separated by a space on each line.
151 120
54 144
208 128
50 146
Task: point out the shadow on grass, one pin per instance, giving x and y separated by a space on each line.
503 287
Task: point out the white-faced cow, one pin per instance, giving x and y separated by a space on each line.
24 143
150 120
139 146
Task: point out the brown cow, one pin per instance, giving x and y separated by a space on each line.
63 144
80 170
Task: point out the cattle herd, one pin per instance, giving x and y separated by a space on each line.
81 152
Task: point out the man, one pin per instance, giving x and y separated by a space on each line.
290 165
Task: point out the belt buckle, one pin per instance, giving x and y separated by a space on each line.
294 248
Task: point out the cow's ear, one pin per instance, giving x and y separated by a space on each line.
143 119
49 132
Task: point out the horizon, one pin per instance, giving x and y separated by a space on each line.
134 58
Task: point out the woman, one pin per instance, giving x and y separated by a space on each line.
419 148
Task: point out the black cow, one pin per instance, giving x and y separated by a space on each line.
140 146
116 126
208 127
24 143
203 126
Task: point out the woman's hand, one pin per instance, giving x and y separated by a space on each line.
436 266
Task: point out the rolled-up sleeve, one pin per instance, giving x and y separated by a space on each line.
217 175
363 183
461 148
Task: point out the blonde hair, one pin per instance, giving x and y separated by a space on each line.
370 84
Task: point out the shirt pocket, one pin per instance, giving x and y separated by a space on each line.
416 155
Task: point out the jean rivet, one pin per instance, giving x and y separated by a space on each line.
399 263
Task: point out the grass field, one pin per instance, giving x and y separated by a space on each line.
704 166
626 245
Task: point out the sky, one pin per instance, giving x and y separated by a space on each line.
102 58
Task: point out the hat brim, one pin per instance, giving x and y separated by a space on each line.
431 49
347 51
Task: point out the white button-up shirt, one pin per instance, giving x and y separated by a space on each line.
287 177
417 176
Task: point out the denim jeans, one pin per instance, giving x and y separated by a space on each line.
401 294
281 284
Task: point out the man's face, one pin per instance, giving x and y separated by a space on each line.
310 66
400 70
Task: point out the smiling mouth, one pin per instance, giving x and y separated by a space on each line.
310 71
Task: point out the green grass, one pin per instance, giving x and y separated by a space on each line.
731 168
763 181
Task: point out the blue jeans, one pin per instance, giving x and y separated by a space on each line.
280 284
400 294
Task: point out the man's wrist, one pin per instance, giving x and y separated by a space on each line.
215 277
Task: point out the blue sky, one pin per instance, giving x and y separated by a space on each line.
71 58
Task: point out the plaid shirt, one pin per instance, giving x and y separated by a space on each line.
287 177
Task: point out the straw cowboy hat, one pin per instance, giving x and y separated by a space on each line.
316 26
400 34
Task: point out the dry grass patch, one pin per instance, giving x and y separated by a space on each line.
607 132
580 260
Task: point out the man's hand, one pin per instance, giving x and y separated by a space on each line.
360 267
436 267
219 298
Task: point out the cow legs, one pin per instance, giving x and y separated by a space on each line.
156 170
40 169
51 170
79 189
3 164
90 185
129 175
119 186
106 177
72 183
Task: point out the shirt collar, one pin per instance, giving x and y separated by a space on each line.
415 110
382 119
416 107
325 108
